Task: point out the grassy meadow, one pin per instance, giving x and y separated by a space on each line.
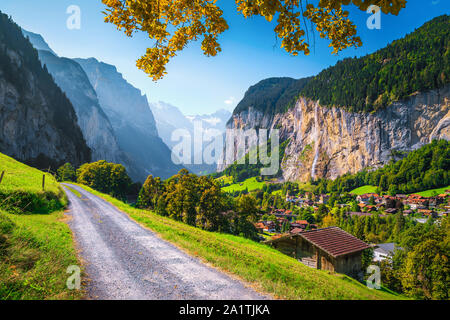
433 192
21 189
35 252
36 245
263 268
364 190
249 184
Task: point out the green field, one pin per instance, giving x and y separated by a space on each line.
19 176
35 252
363 190
262 267
249 184
21 189
35 248
432 192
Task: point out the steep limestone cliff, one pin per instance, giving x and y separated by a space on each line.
93 122
38 124
329 142
132 120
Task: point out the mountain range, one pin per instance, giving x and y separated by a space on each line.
56 110
38 124
169 118
115 118
360 113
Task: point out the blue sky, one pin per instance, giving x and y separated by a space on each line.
197 84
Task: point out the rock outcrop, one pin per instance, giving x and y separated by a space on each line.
329 142
132 120
38 124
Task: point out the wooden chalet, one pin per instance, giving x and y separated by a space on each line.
330 249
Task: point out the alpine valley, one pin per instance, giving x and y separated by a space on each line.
361 113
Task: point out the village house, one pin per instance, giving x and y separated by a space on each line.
365 198
269 226
260 227
427 213
367 207
390 211
384 251
416 202
407 212
330 249
300 224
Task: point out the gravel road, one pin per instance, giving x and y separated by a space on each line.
126 261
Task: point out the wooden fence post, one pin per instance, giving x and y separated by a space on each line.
1 176
43 182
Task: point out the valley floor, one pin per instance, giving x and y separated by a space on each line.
127 260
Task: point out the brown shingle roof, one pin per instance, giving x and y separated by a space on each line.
334 241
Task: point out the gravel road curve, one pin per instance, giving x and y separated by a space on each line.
126 261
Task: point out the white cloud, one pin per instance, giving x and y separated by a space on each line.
230 101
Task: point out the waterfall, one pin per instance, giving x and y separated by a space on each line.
316 155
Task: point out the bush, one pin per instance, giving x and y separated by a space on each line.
66 173
105 177
20 202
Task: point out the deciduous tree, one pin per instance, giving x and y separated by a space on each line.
172 24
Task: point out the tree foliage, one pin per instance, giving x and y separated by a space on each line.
105 177
418 62
425 168
66 173
172 24
199 201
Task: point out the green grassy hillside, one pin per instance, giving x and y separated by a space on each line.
264 268
35 252
36 245
250 184
21 189
433 192
364 190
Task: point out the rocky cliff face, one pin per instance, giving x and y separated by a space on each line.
329 142
93 122
38 124
132 120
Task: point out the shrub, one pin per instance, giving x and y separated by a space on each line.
66 173
20 202
105 177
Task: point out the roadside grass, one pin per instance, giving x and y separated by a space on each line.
36 245
75 192
262 267
364 190
21 189
35 251
250 184
432 192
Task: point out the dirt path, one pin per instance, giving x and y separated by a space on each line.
126 261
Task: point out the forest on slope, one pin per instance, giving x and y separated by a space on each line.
416 63
425 168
